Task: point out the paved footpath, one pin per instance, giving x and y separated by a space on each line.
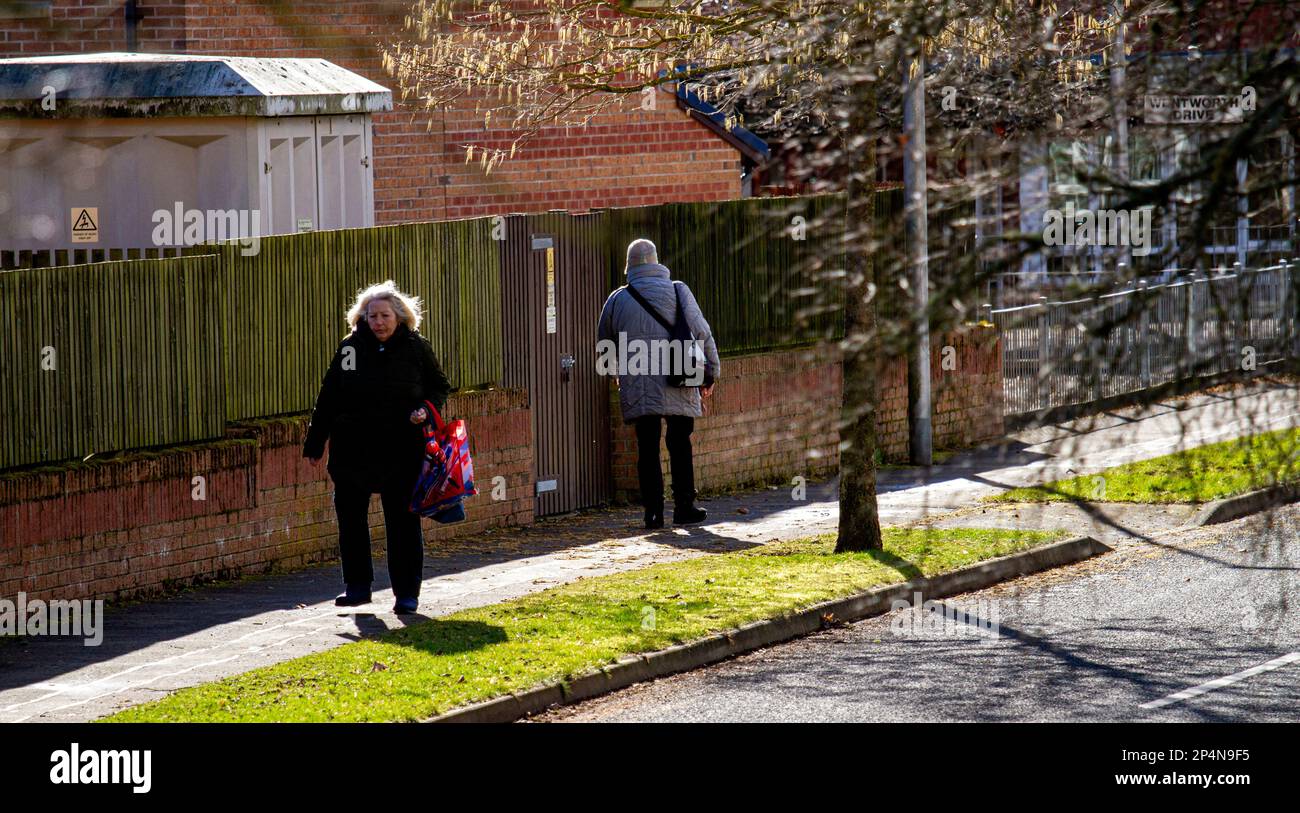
208 633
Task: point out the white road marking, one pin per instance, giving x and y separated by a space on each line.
1219 683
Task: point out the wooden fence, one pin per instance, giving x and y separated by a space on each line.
156 352
120 355
132 354
286 306
762 269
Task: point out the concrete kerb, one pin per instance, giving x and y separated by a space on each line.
640 668
1231 508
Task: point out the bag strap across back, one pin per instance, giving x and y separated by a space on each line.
641 300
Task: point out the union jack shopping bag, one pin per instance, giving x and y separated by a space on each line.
447 475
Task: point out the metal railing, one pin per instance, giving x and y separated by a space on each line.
1057 353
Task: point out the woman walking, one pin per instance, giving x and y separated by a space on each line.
370 409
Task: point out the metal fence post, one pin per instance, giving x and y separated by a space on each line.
1144 335
1284 327
1193 328
1044 355
1240 320
1291 311
1096 361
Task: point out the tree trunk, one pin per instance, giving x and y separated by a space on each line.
859 517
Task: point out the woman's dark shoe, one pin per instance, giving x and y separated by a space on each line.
654 519
406 606
689 516
354 595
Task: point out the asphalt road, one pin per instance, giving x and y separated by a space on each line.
1108 639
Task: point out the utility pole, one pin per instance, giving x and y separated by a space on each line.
1119 98
915 208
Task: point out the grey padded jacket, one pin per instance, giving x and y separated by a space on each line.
650 394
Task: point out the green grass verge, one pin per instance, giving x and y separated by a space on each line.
1191 476
428 668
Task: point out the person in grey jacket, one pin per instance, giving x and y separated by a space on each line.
646 398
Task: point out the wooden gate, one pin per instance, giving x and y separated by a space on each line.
554 281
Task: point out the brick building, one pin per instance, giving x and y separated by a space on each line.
626 158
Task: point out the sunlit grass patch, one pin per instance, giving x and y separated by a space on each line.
1190 476
428 668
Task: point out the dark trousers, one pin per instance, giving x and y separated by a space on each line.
678 439
405 542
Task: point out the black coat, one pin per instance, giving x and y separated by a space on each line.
365 403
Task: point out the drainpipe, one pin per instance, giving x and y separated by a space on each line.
132 14
1118 92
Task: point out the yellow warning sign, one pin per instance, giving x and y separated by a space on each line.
85 224
550 289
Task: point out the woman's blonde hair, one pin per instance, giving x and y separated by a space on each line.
408 308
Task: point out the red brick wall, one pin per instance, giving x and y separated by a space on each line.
774 415
127 529
628 158
88 26
967 400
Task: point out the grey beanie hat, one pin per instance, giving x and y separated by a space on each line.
640 252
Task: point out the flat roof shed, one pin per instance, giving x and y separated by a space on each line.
285 143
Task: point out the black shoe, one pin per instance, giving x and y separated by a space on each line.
406 606
689 516
654 519
355 595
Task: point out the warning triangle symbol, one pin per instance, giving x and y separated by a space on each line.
84 223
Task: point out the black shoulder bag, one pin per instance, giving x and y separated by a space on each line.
680 332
